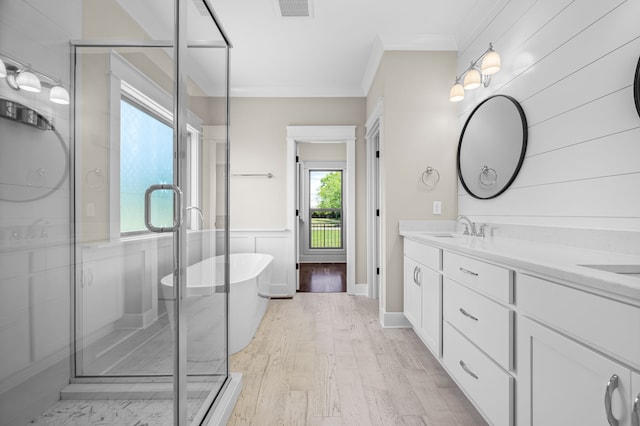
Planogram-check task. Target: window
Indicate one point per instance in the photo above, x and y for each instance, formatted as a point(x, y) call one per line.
point(146, 158)
point(142, 128)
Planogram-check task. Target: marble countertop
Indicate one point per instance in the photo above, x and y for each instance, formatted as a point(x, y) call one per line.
point(552, 261)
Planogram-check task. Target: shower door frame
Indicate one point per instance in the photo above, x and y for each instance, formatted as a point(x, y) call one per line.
point(179, 123)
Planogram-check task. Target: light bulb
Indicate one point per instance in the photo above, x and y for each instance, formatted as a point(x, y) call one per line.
point(457, 93)
point(28, 81)
point(472, 79)
point(490, 63)
point(59, 95)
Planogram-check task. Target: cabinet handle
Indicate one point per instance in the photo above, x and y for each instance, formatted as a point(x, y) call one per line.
point(467, 314)
point(635, 412)
point(467, 370)
point(416, 276)
point(466, 271)
point(419, 277)
point(612, 385)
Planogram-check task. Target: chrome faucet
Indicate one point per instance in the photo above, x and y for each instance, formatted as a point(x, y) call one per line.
point(469, 227)
point(199, 211)
point(32, 228)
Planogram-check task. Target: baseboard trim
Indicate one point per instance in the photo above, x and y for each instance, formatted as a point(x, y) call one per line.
point(361, 290)
point(393, 319)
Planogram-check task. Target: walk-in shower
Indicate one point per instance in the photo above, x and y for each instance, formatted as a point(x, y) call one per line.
point(135, 168)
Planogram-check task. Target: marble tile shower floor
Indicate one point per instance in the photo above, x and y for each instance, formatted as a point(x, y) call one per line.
point(113, 413)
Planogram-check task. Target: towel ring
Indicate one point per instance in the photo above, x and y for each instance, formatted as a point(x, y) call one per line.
point(488, 177)
point(430, 177)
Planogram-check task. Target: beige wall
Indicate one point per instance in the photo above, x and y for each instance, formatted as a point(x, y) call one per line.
point(258, 145)
point(419, 130)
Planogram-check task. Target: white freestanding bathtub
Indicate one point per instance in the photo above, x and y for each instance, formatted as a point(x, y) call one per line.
point(250, 279)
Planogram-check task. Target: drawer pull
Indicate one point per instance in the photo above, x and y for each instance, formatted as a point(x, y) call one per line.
point(467, 314)
point(612, 385)
point(467, 370)
point(635, 412)
point(466, 271)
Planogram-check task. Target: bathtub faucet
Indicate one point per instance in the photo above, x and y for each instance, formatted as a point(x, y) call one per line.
point(199, 211)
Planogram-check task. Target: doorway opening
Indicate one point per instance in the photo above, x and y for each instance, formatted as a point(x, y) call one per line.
point(322, 233)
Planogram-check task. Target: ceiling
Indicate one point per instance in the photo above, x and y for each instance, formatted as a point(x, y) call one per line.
point(335, 51)
point(328, 54)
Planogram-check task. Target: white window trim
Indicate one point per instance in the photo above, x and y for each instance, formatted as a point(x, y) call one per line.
point(126, 78)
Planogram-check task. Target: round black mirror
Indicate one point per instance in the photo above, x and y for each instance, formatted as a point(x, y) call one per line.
point(492, 146)
point(34, 159)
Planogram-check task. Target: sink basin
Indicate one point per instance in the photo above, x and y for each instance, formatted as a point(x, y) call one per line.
point(629, 270)
point(441, 234)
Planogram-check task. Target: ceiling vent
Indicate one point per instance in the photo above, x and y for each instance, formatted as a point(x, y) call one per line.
point(295, 8)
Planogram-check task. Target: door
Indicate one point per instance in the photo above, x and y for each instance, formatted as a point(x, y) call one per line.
point(565, 383)
point(148, 212)
point(323, 231)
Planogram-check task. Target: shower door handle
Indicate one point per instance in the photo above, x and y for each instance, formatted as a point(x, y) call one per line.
point(177, 207)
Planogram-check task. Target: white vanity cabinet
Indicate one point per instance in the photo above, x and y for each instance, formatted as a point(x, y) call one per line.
point(423, 292)
point(478, 333)
point(530, 342)
point(577, 356)
point(101, 287)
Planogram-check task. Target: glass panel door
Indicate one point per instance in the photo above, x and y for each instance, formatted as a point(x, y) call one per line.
point(323, 237)
point(150, 195)
point(124, 144)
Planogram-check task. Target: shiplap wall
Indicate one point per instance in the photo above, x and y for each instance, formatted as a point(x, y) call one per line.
point(571, 66)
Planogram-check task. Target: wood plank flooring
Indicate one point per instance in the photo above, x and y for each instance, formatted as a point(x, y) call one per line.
point(324, 359)
point(323, 277)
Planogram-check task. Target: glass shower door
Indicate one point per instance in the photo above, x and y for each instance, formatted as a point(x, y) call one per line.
point(150, 206)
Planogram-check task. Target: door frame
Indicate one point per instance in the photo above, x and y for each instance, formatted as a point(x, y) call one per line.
point(321, 134)
point(375, 200)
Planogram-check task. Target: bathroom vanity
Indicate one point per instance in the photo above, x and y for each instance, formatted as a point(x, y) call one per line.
point(533, 333)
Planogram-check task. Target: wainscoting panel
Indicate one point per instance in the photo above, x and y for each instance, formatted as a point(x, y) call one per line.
point(273, 242)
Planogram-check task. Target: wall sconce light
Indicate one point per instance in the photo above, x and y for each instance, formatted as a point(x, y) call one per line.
point(474, 76)
point(21, 77)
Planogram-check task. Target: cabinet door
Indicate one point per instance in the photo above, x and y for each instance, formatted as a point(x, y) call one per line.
point(102, 302)
point(431, 283)
point(412, 292)
point(562, 382)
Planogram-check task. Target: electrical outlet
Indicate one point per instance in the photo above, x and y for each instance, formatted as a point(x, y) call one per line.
point(91, 210)
point(437, 207)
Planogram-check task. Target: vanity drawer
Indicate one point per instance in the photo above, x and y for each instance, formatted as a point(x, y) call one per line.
point(485, 277)
point(427, 255)
point(484, 382)
point(612, 327)
point(484, 322)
